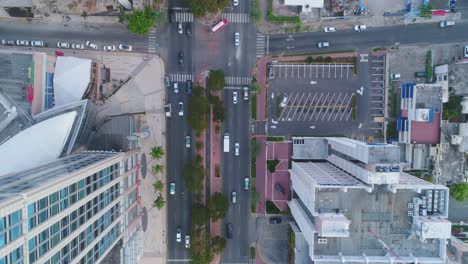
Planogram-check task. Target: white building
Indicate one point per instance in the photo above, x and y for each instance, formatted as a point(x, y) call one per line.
point(306, 5)
point(352, 203)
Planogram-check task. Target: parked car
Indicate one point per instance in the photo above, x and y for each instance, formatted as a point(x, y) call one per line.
point(246, 183)
point(275, 220)
point(448, 23)
point(234, 97)
point(179, 234)
point(229, 230)
point(420, 74)
point(323, 44)
point(246, 93)
point(329, 29)
point(236, 39)
point(236, 149)
point(189, 85)
point(125, 47)
point(395, 76)
point(179, 28)
point(37, 43)
point(465, 52)
point(181, 58)
point(181, 108)
point(167, 109)
point(172, 188)
point(235, 2)
point(176, 87)
point(187, 141)
point(91, 45)
point(22, 43)
point(280, 188)
point(233, 197)
point(360, 28)
point(188, 29)
point(8, 42)
point(187, 241)
point(167, 81)
point(77, 46)
point(109, 48)
point(63, 45)
point(284, 101)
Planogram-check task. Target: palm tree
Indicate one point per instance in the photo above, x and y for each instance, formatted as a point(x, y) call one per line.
point(158, 168)
point(158, 186)
point(159, 202)
point(157, 152)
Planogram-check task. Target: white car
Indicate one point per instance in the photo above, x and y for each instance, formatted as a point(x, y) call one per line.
point(236, 39)
point(180, 29)
point(235, 2)
point(125, 47)
point(22, 43)
point(465, 53)
point(233, 197)
point(246, 93)
point(109, 48)
point(329, 29)
point(172, 188)
point(91, 45)
point(187, 241)
point(181, 108)
point(323, 44)
point(77, 46)
point(167, 109)
point(37, 43)
point(176, 87)
point(179, 235)
point(236, 149)
point(63, 45)
point(360, 28)
point(234, 97)
point(284, 101)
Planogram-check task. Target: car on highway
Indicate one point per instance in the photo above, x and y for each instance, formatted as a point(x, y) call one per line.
point(22, 43)
point(179, 234)
point(8, 42)
point(280, 188)
point(63, 45)
point(275, 220)
point(189, 86)
point(125, 47)
point(181, 108)
point(37, 43)
point(233, 197)
point(187, 241)
point(109, 48)
point(188, 29)
point(465, 53)
point(235, 2)
point(229, 230)
point(181, 58)
point(172, 188)
point(91, 45)
point(246, 183)
point(167, 81)
point(176, 87)
point(236, 39)
point(77, 46)
point(187, 141)
point(180, 28)
point(323, 44)
point(167, 109)
point(246, 93)
point(236, 149)
point(329, 29)
point(284, 101)
point(234, 97)
point(360, 28)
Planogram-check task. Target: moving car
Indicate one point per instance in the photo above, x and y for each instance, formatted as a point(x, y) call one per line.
point(63, 45)
point(181, 58)
point(246, 183)
point(280, 188)
point(187, 241)
point(125, 47)
point(360, 28)
point(235, 2)
point(176, 87)
point(172, 188)
point(189, 87)
point(229, 230)
point(179, 28)
point(329, 29)
point(234, 97)
point(91, 45)
point(37, 43)
point(246, 93)
point(167, 81)
point(109, 48)
point(22, 43)
point(181, 108)
point(284, 101)
point(233, 197)
point(77, 46)
point(236, 39)
point(179, 234)
point(167, 109)
point(187, 141)
point(448, 23)
point(323, 44)
point(275, 220)
point(236, 149)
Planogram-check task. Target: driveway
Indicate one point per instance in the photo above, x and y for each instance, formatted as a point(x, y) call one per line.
point(272, 240)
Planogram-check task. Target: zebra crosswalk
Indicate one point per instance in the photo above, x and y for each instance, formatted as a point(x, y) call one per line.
point(236, 17)
point(230, 80)
point(152, 41)
point(260, 45)
point(180, 77)
point(183, 17)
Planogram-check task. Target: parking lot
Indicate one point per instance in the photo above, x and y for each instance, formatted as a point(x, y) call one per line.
point(312, 71)
point(377, 95)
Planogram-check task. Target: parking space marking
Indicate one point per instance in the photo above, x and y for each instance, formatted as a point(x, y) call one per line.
point(308, 108)
point(321, 106)
point(351, 97)
point(328, 106)
point(305, 103)
point(298, 106)
point(293, 102)
point(334, 106)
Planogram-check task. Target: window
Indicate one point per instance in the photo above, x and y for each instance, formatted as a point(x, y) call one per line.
point(32, 243)
point(31, 209)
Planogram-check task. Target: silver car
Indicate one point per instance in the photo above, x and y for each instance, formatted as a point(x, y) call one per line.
point(77, 46)
point(236, 39)
point(37, 43)
point(91, 45)
point(22, 43)
point(125, 47)
point(109, 48)
point(63, 45)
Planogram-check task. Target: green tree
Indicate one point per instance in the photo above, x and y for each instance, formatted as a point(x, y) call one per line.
point(199, 245)
point(193, 175)
point(256, 12)
point(218, 110)
point(255, 87)
point(255, 148)
point(459, 191)
point(158, 168)
point(198, 108)
point(158, 186)
point(218, 244)
point(122, 15)
point(159, 202)
point(199, 215)
point(84, 14)
point(141, 21)
point(157, 152)
point(218, 206)
point(200, 8)
point(216, 80)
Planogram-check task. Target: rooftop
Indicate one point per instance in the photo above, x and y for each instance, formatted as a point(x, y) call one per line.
point(425, 132)
point(429, 96)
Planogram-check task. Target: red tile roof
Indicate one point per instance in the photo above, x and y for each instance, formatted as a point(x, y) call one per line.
point(426, 133)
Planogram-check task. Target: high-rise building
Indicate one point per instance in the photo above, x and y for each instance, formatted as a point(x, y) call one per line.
point(352, 203)
point(72, 210)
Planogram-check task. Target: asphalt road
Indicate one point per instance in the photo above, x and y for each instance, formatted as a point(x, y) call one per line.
point(234, 170)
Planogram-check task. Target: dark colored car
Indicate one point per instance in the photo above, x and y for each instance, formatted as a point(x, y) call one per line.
point(229, 230)
point(181, 58)
point(172, 16)
point(280, 188)
point(189, 87)
point(188, 29)
point(275, 220)
point(167, 81)
point(420, 74)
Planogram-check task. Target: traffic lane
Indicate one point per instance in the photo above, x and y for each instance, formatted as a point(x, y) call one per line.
point(179, 44)
point(240, 58)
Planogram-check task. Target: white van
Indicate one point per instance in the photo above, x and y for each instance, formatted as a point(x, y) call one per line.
point(446, 23)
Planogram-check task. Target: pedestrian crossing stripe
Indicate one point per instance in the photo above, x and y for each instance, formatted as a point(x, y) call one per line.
point(230, 80)
point(183, 17)
point(180, 77)
point(236, 17)
point(260, 45)
point(152, 41)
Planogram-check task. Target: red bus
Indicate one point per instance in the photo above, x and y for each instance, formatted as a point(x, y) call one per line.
point(220, 25)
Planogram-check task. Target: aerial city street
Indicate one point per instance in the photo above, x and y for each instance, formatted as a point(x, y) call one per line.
point(233, 131)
